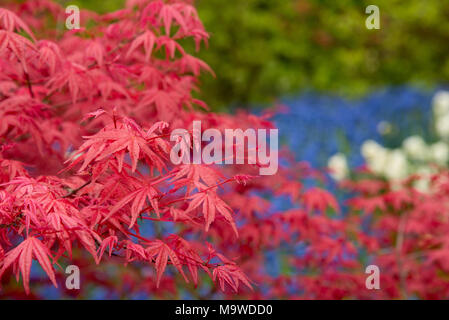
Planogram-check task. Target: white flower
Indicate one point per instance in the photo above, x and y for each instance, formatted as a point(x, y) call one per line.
point(415, 147)
point(378, 161)
point(338, 166)
point(370, 148)
point(439, 152)
point(375, 156)
point(442, 126)
point(423, 183)
point(396, 165)
point(441, 103)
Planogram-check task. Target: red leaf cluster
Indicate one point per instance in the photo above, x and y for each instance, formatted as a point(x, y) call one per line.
point(85, 120)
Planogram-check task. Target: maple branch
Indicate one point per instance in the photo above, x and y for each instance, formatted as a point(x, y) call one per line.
point(218, 184)
point(15, 223)
point(160, 136)
point(29, 85)
point(399, 257)
point(74, 191)
point(185, 198)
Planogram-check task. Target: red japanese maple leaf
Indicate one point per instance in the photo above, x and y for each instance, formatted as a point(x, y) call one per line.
point(21, 258)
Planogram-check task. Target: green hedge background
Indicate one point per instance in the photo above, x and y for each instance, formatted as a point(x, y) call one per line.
point(263, 49)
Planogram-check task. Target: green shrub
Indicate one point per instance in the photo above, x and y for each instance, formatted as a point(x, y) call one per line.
point(263, 49)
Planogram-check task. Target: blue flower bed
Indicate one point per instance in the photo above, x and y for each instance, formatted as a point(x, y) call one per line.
point(318, 126)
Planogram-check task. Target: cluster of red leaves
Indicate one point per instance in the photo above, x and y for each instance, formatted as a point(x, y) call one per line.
point(405, 233)
point(86, 179)
point(85, 117)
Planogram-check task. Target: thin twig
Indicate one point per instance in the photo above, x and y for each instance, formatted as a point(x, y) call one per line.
point(399, 257)
point(30, 87)
point(74, 191)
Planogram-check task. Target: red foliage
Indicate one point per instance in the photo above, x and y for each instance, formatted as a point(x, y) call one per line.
point(85, 117)
point(110, 93)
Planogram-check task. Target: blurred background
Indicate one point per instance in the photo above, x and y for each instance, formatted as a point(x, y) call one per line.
point(340, 84)
point(262, 50)
point(318, 59)
point(345, 89)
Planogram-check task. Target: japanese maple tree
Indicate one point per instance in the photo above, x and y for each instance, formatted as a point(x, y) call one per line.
point(86, 177)
point(85, 120)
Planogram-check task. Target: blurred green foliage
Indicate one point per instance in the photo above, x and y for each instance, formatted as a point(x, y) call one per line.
point(263, 49)
point(101, 6)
